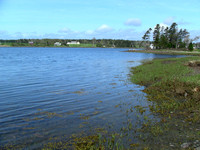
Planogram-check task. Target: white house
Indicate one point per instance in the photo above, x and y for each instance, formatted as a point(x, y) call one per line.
point(151, 46)
point(57, 44)
point(73, 42)
point(31, 42)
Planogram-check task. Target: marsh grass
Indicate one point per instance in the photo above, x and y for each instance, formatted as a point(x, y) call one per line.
point(173, 87)
point(170, 83)
point(168, 52)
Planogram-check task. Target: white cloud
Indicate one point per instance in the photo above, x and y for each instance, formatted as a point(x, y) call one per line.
point(64, 30)
point(183, 22)
point(3, 32)
point(169, 20)
point(89, 32)
point(104, 28)
point(163, 25)
point(126, 34)
point(133, 22)
point(194, 33)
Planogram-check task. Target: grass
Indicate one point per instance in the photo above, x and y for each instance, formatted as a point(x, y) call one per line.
point(169, 52)
point(173, 88)
point(170, 80)
point(82, 45)
point(162, 70)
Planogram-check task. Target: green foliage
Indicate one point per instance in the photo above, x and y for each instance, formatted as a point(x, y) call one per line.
point(163, 70)
point(168, 37)
point(190, 47)
point(83, 43)
point(168, 82)
point(146, 36)
point(156, 36)
point(99, 45)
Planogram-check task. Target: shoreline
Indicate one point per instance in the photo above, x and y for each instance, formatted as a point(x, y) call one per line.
point(172, 85)
point(166, 52)
point(2, 46)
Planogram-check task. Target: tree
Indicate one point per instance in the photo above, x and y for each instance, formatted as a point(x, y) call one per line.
point(93, 41)
point(173, 35)
point(168, 37)
point(146, 38)
point(196, 38)
point(190, 47)
point(182, 34)
point(99, 45)
point(156, 36)
point(163, 42)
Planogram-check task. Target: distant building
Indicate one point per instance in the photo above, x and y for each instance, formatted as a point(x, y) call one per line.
point(57, 44)
point(31, 42)
point(151, 46)
point(73, 42)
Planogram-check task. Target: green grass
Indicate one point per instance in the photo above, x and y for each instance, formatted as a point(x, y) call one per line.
point(82, 45)
point(162, 70)
point(169, 52)
point(173, 85)
point(173, 88)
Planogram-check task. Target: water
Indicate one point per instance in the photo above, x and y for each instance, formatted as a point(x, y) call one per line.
point(57, 92)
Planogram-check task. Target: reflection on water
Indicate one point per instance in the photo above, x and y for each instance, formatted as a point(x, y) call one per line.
point(56, 92)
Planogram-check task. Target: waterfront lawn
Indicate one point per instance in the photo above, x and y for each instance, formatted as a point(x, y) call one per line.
point(82, 45)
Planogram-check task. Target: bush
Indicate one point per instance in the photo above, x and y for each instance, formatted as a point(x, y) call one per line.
point(190, 47)
point(99, 45)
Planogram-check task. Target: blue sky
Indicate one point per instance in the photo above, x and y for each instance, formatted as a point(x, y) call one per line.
point(76, 19)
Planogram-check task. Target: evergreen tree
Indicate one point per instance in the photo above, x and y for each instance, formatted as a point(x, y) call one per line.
point(163, 37)
point(190, 47)
point(169, 37)
point(173, 35)
point(146, 38)
point(156, 36)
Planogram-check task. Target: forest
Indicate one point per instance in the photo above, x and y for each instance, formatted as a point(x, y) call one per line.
point(169, 38)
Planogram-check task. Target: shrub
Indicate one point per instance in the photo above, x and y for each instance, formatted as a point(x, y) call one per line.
point(190, 47)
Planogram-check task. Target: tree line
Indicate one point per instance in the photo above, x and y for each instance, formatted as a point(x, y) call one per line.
point(168, 37)
point(94, 42)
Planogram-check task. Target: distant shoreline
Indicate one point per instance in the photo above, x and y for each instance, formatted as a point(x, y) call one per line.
point(167, 52)
point(58, 47)
point(5, 46)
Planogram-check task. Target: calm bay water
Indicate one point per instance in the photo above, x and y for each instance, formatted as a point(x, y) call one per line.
point(57, 92)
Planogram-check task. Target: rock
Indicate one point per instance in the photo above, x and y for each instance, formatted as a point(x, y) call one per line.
point(191, 63)
point(196, 142)
point(195, 89)
point(185, 145)
point(185, 94)
point(198, 148)
point(180, 91)
point(194, 63)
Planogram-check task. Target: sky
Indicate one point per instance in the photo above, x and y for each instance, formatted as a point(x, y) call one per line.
point(87, 19)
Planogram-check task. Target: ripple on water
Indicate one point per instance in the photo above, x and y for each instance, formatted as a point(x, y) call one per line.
point(55, 92)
